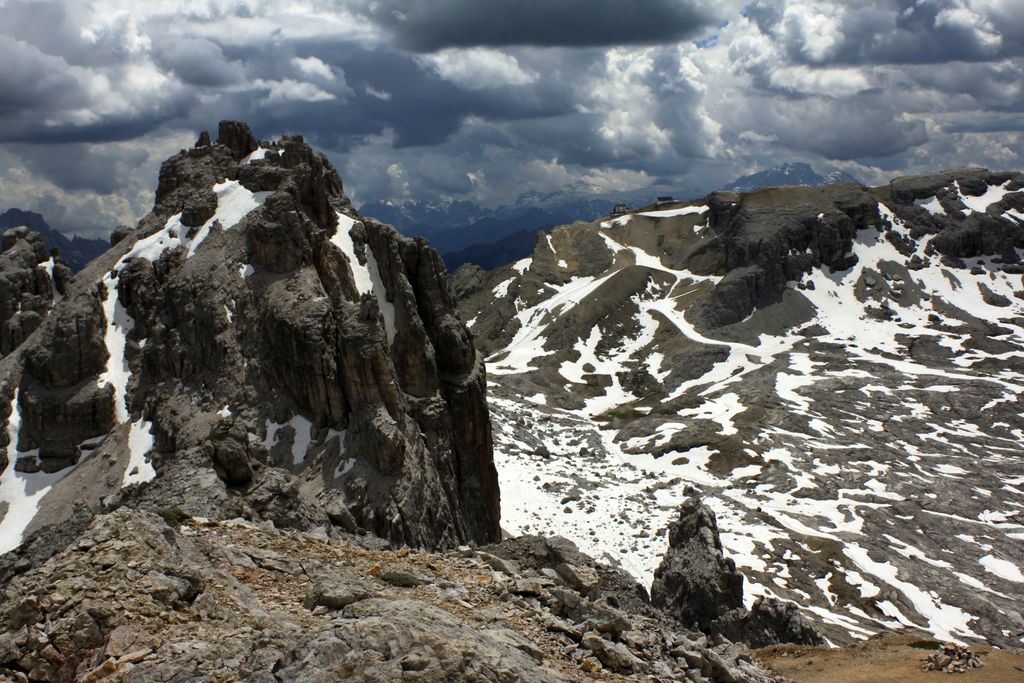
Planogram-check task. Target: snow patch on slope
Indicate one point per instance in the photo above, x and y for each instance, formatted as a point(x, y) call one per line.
point(367, 276)
point(21, 491)
point(140, 442)
point(48, 266)
point(671, 213)
point(302, 436)
point(992, 194)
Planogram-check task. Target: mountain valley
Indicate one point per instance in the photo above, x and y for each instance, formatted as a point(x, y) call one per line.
point(835, 371)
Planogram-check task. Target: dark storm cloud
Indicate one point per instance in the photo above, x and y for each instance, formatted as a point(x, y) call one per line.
point(995, 123)
point(843, 132)
point(38, 90)
point(385, 90)
point(61, 83)
point(993, 86)
point(32, 81)
point(451, 98)
point(62, 28)
point(898, 31)
point(75, 167)
point(198, 61)
point(429, 25)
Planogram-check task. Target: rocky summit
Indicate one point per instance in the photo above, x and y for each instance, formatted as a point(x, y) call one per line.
point(836, 370)
point(253, 348)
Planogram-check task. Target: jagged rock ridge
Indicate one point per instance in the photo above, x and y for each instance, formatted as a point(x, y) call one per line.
point(253, 348)
point(76, 252)
point(835, 368)
point(32, 280)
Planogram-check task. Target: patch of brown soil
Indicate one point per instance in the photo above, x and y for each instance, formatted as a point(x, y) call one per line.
point(889, 659)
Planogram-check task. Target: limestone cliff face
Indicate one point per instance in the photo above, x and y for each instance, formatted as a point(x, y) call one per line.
point(254, 347)
point(31, 281)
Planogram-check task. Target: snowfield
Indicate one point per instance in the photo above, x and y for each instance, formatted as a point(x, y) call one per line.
point(878, 488)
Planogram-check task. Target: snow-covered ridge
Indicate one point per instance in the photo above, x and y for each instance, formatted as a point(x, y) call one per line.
point(22, 492)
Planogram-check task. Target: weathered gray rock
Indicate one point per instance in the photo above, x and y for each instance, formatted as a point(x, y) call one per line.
point(767, 622)
point(695, 582)
point(31, 280)
point(614, 585)
point(302, 356)
point(234, 454)
point(135, 600)
point(698, 584)
point(614, 656)
point(337, 591)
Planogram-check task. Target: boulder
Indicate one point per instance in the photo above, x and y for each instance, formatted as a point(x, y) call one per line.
point(768, 622)
point(337, 591)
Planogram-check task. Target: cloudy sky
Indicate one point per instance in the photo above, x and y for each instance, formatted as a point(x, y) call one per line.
point(467, 99)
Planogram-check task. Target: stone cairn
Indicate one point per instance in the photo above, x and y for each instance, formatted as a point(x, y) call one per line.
point(952, 659)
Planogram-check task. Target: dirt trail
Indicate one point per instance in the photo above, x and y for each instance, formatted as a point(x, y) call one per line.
point(892, 659)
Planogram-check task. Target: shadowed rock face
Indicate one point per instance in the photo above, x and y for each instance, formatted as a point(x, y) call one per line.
point(696, 583)
point(254, 347)
point(31, 280)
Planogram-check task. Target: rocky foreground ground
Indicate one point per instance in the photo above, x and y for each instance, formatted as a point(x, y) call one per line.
point(135, 599)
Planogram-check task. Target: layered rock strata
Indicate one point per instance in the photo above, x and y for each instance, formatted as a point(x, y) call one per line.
point(254, 347)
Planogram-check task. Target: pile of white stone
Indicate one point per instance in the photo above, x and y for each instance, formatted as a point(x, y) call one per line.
point(952, 659)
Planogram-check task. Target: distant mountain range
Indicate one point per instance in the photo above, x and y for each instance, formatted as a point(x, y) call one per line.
point(457, 229)
point(77, 251)
point(464, 232)
point(492, 255)
point(788, 174)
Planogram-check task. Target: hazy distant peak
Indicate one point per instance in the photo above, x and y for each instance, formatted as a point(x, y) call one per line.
point(788, 173)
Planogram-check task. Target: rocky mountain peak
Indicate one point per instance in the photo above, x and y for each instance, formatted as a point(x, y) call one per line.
point(787, 174)
point(236, 136)
point(254, 348)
